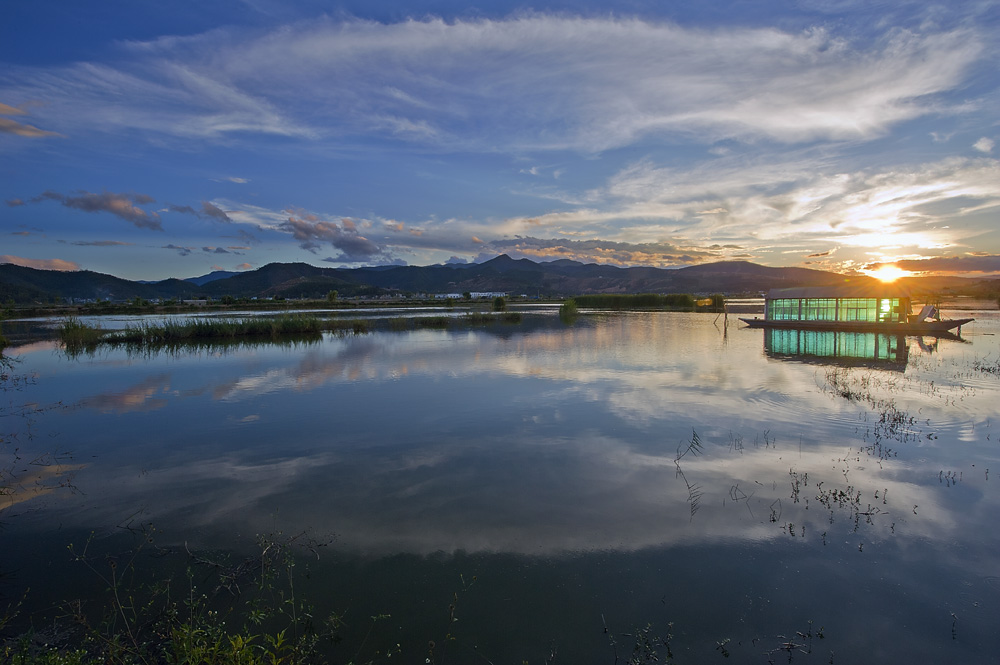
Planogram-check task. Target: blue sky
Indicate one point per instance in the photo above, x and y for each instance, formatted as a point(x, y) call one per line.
point(154, 140)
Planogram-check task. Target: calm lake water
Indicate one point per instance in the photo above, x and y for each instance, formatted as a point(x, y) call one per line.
point(737, 490)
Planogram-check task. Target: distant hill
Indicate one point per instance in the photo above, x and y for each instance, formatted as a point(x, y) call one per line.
point(515, 276)
point(211, 277)
point(28, 285)
point(287, 280)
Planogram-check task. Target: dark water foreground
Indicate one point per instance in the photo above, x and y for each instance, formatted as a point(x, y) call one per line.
point(541, 492)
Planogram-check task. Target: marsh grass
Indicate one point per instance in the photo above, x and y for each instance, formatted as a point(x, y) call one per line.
point(177, 336)
point(172, 331)
point(498, 316)
point(78, 337)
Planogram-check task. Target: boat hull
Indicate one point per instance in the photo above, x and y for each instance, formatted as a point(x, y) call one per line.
point(916, 328)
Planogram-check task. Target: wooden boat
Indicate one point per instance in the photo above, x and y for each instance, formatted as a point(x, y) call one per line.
point(850, 308)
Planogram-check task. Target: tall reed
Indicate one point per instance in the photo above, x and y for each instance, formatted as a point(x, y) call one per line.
point(171, 331)
point(76, 335)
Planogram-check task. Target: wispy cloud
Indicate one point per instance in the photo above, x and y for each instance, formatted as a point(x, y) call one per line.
point(259, 217)
point(758, 205)
point(527, 82)
point(740, 142)
point(8, 126)
point(123, 206)
point(721, 209)
point(159, 96)
point(11, 110)
point(40, 264)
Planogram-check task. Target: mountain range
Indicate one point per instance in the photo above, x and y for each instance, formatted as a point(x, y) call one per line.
point(552, 279)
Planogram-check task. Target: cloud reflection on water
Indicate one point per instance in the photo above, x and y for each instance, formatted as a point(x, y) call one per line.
point(544, 497)
point(561, 439)
point(147, 395)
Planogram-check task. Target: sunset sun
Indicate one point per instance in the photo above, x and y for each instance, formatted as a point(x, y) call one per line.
point(888, 273)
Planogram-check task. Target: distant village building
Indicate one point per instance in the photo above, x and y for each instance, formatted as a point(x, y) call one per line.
point(474, 295)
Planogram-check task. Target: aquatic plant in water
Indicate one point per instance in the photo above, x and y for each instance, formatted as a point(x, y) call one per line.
point(568, 311)
point(212, 328)
point(891, 422)
point(252, 615)
point(76, 335)
point(987, 366)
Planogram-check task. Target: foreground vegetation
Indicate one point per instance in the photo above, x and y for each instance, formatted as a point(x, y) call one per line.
point(200, 608)
point(250, 613)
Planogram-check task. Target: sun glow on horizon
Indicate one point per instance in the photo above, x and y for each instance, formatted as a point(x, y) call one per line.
point(888, 273)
